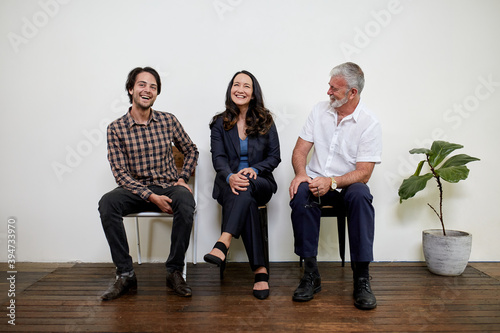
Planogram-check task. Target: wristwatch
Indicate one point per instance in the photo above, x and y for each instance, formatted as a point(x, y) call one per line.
point(334, 183)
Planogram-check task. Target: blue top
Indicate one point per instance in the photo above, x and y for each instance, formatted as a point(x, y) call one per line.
point(243, 158)
point(243, 154)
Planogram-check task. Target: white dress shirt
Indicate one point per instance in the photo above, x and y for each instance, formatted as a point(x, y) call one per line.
point(337, 149)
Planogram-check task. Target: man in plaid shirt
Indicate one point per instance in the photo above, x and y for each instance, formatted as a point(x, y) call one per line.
point(142, 162)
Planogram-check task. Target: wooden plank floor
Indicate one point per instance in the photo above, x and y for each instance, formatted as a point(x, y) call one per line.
point(65, 298)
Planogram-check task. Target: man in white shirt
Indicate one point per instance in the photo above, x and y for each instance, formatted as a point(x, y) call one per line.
point(347, 142)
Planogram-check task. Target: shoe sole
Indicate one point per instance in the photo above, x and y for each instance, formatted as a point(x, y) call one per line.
point(364, 307)
point(306, 299)
point(214, 260)
point(261, 294)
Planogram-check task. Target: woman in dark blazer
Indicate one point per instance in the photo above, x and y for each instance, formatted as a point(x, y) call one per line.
point(245, 151)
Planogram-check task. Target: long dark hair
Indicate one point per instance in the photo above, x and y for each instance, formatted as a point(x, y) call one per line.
point(258, 118)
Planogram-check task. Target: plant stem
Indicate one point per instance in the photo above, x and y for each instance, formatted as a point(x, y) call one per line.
point(441, 203)
point(440, 187)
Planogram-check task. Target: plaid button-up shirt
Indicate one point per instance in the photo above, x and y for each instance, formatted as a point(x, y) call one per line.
point(141, 155)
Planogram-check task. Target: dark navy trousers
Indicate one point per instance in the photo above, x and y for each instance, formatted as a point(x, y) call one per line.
point(357, 201)
point(240, 217)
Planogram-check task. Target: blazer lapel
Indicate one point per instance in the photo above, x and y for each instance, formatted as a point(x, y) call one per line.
point(235, 139)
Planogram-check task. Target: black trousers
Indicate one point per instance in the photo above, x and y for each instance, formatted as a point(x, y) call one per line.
point(120, 202)
point(240, 217)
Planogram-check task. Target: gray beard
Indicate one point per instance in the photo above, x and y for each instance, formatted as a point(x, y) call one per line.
point(338, 103)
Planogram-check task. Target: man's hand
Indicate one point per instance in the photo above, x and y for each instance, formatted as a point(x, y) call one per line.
point(299, 161)
point(294, 185)
point(162, 201)
point(181, 182)
point(321, 185)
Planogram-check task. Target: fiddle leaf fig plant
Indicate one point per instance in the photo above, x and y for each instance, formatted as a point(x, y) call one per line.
point(452, 170)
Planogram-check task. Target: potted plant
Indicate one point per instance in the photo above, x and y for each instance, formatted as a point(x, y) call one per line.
point(446, 252)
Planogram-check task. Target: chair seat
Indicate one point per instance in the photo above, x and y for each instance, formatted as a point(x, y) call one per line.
point(150, 214)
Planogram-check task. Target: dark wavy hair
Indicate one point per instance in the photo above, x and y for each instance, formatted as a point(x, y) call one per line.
point(133, 75)
point(259, 119)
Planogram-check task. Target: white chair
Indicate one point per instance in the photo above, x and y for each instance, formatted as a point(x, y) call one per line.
point(193, 181)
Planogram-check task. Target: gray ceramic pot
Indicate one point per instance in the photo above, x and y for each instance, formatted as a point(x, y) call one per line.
point(446, 255)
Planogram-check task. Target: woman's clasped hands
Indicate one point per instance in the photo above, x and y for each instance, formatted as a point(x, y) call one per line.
point(240, 181)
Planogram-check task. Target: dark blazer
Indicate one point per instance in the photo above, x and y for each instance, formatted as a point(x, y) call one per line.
point(263, 154)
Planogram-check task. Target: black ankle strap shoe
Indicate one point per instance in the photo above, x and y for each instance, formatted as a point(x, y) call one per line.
point(261, 294)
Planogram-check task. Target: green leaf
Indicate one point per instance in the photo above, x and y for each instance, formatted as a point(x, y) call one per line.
point(419, 168)
point(420, 151)
point(412, 185)
point(458, 160)
point(439, 151)
point(453, 174)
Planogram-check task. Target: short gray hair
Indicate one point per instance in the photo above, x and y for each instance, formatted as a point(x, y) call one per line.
point(352, 73)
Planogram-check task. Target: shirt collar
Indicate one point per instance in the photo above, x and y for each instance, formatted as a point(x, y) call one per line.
point(131, 122)
point(357, 111)
point(354, 115)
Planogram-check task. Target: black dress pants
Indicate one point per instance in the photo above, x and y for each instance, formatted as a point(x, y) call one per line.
point(120, 202)
point(240, 217)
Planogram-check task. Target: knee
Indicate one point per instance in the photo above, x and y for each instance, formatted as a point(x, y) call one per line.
point(358, 192)
point(243, 197)
point(108, 208)
point(185, 201)
point(301, 197)
point(106, 204)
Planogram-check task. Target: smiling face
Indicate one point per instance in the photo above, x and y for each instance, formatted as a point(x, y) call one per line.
point(145, 91)
point(242, 91)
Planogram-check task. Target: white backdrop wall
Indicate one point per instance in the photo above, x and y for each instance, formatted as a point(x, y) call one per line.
point(432, 72)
